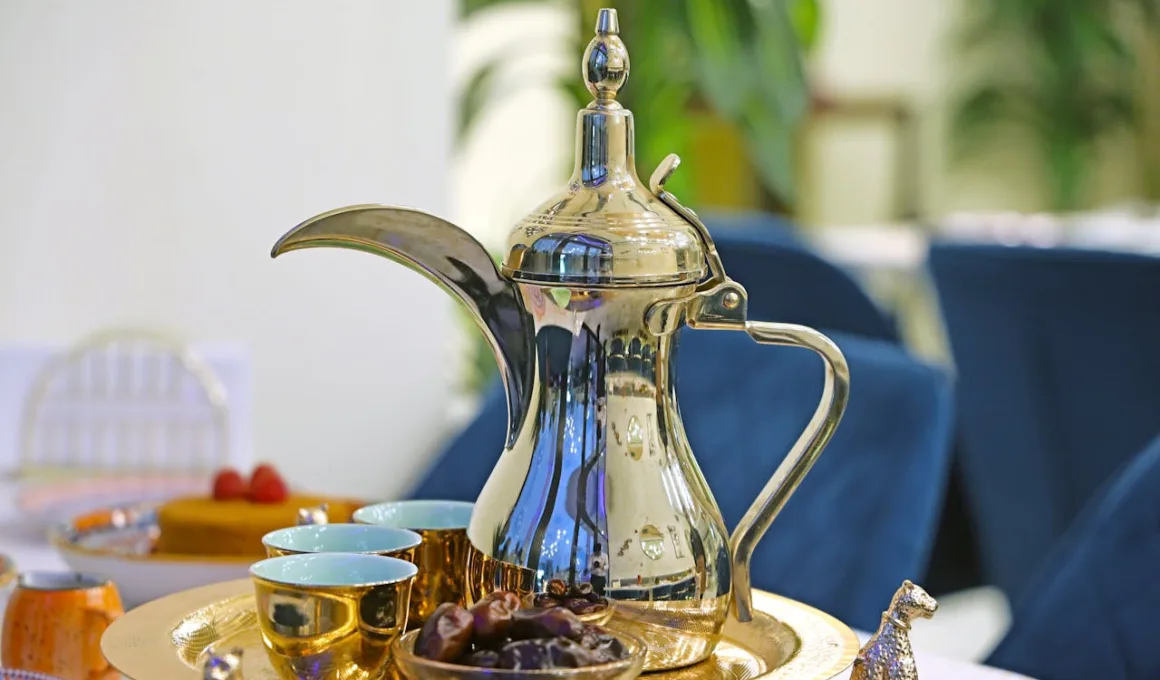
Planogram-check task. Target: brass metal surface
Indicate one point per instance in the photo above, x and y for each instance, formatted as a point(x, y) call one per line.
point(888, 654)
point(314, 632)
point(442, 577)
point(416, 667)
point(173, 637)
point(597, 482)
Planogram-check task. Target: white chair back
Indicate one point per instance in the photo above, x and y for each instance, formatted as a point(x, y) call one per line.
point(125, 402)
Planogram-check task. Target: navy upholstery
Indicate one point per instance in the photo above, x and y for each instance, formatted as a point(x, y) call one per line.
point(788, 282)
point(1058, 385)
point(1091, 612)
point(861, 522)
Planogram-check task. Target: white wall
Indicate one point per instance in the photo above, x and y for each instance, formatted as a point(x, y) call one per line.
point(520, 151)
point(151, 153)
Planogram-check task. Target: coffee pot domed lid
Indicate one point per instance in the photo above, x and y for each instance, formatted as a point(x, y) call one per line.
point(606, 228)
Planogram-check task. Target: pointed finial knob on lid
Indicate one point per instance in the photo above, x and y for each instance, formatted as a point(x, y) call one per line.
point(605, 61)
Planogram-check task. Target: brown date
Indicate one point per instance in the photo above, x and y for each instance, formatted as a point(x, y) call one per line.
point(446, 635)
point(524, 655)
point(580, 607)
point(564, 653)
point(557, 588)
point(545, 601)
point(580, 589)
point(548, 623)
point(492, 617)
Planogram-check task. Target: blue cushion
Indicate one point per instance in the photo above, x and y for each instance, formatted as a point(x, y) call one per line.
point(788, 281)
point(1058, 385)
point(862, 521)
point(1091, 612)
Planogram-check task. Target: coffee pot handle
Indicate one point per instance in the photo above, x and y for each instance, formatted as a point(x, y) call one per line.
point(801, 457)
point(720, 303)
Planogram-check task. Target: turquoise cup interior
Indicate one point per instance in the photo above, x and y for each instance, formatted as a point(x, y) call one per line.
point(344, 538)
point(417, 515)
point(333, 570)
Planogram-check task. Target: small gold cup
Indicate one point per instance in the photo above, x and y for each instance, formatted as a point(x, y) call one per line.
point(442, 558)
point(332, 616)
point(343, 538)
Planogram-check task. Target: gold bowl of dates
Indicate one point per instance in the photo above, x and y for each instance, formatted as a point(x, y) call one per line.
point(500, 639)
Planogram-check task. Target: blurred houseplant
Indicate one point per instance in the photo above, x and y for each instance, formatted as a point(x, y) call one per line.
point(1062, 70)
point(739, 60)
point(701, 70)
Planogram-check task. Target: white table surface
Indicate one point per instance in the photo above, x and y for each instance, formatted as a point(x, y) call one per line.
point(30, 551)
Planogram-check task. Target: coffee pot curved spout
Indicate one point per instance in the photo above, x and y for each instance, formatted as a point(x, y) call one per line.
point(449, 256)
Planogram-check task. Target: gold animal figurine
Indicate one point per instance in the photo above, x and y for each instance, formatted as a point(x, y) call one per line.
point(887, 655)
point(313, 515)
point(228, 666)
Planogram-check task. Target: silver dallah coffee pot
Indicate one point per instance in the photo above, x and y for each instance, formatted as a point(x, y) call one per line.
point(596, 491)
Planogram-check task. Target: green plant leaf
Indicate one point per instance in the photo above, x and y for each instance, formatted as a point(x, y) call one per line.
point(1114, 109)
point(720, 58)
point(807, 22)
point(780, 74)
point(980, 111)
point(771, 148)
point(1149, 10)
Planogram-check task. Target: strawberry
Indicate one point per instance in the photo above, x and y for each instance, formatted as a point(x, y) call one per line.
point(262, 470)
point(228, 485)
point(267, 486)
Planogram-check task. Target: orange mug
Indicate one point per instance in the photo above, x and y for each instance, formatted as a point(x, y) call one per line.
point(54, 625)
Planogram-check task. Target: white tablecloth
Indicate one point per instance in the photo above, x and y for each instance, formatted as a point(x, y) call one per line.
point(31, 551)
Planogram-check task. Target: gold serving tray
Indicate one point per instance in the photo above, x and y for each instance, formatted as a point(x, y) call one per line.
point(170, 638)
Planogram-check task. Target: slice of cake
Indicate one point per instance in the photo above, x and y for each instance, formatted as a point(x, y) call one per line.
point(234, 519)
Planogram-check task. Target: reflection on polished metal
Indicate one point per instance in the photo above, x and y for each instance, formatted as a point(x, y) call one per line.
point(331, 632)
point(441, 560)
point(887, 654)
point(228, 666)
point(316, 515)
point(597, 483)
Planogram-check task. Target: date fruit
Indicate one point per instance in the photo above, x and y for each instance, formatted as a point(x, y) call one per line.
point(496, 633)
point(492, 618)
point(546, 623)
point(579, 598)
point(447, 633)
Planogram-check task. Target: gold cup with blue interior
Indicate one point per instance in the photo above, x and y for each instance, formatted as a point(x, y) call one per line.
point(442, 558)
point(343, 538)
point(332, 616)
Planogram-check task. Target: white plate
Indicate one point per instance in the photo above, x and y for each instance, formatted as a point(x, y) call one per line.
point(117, 544)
